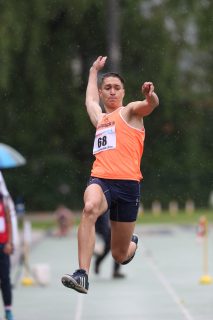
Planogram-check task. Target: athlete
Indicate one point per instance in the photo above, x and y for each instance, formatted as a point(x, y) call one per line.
point(6, 249)
point(115, 176)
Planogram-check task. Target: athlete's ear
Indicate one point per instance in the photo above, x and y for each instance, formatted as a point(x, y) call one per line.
point(100, 92)
point(124, 93)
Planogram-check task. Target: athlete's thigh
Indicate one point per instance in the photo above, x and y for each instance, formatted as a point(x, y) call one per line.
point(95, 197)
point(121, 234)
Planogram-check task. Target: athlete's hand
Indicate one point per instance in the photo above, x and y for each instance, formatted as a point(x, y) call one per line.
point(99, 63)
point(148, 88)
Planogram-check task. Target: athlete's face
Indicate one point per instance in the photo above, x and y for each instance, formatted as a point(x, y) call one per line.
point(112, 92)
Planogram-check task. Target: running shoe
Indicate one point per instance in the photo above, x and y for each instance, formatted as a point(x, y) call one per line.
point(135, 240)
point(118, 275)
point(77, 281)
point(8, 315)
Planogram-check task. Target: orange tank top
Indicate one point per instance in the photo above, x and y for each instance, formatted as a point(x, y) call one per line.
point(118, 148)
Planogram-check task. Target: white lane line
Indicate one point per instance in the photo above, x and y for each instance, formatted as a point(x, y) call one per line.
point(79, 306)
point(163, 280)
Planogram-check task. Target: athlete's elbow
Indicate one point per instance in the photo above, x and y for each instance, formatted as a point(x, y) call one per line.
point(87, 102)
point(150, 109)
point(153, 104)
point(156, 103)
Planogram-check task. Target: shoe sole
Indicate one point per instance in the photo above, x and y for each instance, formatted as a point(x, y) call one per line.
point(130, 259)
point(70, 282)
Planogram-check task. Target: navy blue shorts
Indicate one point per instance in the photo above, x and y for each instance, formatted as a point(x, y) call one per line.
point(123, 197)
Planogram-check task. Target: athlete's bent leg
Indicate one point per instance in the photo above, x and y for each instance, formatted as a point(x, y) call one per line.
point(95, 204)
point(121, 245)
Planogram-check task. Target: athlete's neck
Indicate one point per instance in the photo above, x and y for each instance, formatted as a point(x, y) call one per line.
point(110, 110)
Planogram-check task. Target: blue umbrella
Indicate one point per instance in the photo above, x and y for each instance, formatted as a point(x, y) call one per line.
point(9, 157)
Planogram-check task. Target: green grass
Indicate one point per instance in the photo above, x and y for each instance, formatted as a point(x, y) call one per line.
point(147, 217)
point(179, 218)
point(44, 225)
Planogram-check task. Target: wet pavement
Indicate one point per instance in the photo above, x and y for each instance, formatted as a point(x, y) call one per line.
point(162, 282)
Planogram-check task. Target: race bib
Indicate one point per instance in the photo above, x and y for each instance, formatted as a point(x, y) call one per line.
point(105, 139)
point(2, 225)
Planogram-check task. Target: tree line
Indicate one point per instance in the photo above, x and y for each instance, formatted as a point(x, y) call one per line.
point(46, 49)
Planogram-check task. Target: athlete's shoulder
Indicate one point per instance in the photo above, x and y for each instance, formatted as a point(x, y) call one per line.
point(132, 119)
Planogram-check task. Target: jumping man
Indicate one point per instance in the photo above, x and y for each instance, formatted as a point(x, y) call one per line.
point(115, 176)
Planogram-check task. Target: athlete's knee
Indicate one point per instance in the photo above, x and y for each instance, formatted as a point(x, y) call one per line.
point(119, 256)
point(91, 209)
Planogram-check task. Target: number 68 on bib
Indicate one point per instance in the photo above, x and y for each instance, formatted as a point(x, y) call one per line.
point(105, 139)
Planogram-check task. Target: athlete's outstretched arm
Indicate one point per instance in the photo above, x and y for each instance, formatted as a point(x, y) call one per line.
point(145, 107)
point(92, 94)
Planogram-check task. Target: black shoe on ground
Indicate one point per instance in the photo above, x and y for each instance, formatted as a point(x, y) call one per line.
point(77, 281)
point(135, 240)
point(118, 275)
